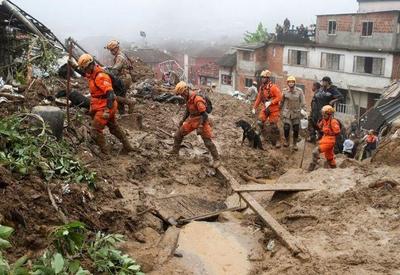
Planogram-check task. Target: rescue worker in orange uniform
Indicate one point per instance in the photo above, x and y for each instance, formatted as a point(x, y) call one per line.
point(195, 118)
point(270, 96)
point(103, 106)
point(121, 68)
point(330, 128)
point(372, 140)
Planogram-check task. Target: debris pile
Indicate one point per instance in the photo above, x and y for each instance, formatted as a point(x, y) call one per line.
point(388, 151)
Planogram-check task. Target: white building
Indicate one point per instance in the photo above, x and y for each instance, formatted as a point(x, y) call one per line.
point(360, 52)
point(377, 5)
point(227, 73)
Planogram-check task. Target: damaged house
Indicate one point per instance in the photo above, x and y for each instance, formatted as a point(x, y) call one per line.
point(27, 47)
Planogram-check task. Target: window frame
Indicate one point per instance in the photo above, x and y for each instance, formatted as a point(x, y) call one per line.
point(367, 30)
point(223, 77)
point(329, 27)
point(341, 62)
point(290, 61)
point(250, 81)
point(249, 54)
point(382, 69)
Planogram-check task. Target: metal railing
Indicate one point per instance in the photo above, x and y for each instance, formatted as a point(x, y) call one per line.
point(345, 109)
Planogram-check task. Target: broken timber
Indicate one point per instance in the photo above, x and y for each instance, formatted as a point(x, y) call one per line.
point(272, 187)
point(287, 239)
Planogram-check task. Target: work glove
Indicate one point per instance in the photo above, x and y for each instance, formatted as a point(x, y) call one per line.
point(199, 131)
point(304, 113)
point(267, 104)
point(106, 115)
point(253, 111)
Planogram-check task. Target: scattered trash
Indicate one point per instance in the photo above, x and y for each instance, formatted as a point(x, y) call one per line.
point(271, 245)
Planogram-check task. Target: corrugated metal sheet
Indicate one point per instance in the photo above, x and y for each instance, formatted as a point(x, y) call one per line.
point(386, 110)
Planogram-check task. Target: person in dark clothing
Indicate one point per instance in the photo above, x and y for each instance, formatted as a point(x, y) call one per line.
point(328, 94)
point(313, 124)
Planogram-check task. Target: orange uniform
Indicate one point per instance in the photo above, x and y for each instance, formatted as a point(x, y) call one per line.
point(330, 128)
point(269, 92)
point(371, 138)
point(99, 84)
point(195, 106)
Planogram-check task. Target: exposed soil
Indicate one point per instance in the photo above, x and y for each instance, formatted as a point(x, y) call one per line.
point(347, 226)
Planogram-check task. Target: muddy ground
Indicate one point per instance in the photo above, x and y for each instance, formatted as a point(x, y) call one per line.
point(347, 226)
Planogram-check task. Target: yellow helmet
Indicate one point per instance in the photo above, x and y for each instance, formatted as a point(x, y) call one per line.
point(180, 87)
point(328, 109)
point(291, 78)
point(113, 44)
point(266, 73)
point(85, 60)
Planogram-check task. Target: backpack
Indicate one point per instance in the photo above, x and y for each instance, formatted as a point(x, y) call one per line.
point(117, 83)
point(209, 106)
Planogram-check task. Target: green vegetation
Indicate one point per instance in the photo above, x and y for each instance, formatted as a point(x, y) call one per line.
point(6, 268)
point(69, 239)
point(260, 35)
point(110, 260)
point(26, 148)
point(70, 246)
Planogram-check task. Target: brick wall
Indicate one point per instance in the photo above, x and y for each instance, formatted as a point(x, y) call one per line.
point(396, 67)
point(274, 60)
point(343, 22)
point(384, 22)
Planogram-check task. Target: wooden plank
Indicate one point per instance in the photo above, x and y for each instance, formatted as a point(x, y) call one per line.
point(273, 187)
point(287, 239)
point(210, 215)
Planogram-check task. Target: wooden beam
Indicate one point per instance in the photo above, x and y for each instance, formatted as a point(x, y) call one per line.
point(287, 239)
point(272, 187)
point(210, 215)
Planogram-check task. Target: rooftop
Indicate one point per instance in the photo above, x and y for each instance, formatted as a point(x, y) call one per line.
point(360, 13)
point(150, 56)
point(20, 21)
point(250, 46)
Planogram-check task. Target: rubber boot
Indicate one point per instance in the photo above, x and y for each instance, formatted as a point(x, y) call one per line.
point(121, 105)
point(295, 148)
point(332, 164)
point(276, 136)
point(101, 142)
point(286, 132)
point(117, 131)
point(122, 101)
point(178, 138)
point(315, 158)
point(213, 151)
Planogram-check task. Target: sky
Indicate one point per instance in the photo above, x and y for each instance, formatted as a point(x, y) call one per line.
point(174, 19)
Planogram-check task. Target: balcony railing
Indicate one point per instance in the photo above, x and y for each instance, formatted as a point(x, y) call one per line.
point(345, 109)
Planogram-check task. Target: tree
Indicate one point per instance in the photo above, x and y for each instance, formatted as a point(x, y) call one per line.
point(260, 35)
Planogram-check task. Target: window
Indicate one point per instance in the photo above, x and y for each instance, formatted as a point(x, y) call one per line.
point(369, 65)
point(248, 56)
point(248, 82)
point(332, 27)
point(332, 61)
point(226, 79)
point(367, 28)
point(297, 58)
point(203, 80)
